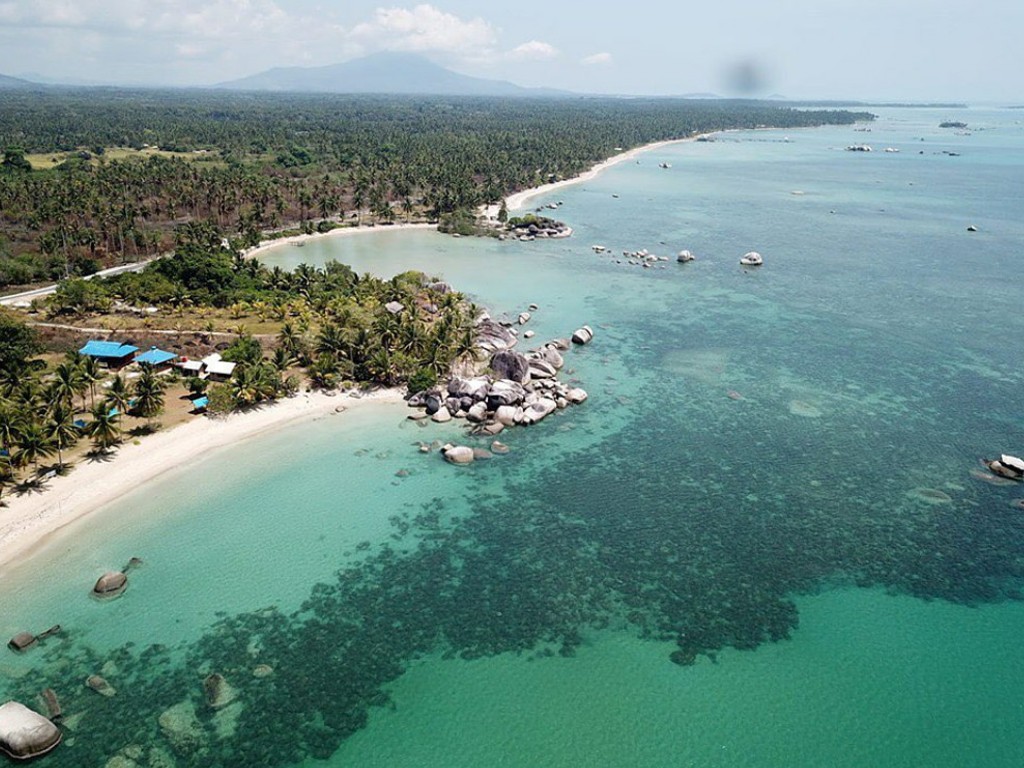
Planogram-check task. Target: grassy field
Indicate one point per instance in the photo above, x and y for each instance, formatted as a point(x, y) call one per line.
point(44, 162)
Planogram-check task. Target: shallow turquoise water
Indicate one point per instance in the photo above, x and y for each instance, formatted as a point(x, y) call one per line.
point(534, 601)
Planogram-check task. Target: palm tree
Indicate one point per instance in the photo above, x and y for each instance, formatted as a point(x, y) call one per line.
point(323, 372)
point(244, 386)
point(149, 395)
point(105, 428)
point(197, 387)
point(291, 340)
point(68, 381)
point(91, 374)
point(34, 444)
point(12, 422)
point(7, 473)
point(61, 429)
point(283, 359)
point(118, 396)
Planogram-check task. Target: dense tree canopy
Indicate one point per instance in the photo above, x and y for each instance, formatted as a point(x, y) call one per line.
point(135, 165)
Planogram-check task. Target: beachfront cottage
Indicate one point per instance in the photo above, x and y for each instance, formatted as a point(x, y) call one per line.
point(112, 354)
point(190, 367)
point(157, 359)
point(218, 369)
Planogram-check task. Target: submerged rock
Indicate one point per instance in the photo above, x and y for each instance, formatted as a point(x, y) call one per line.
point(182, 728)
point(930, 496)
point(218, 691)
point(25, 734)
point(100, 685)
point(52, 704)
point(499, 448)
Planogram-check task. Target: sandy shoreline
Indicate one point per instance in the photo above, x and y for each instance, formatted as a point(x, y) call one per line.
point(340, 232)
point(518, 200)
point(29, 521)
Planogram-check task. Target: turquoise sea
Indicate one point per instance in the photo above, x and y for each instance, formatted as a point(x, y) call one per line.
point(759, 543)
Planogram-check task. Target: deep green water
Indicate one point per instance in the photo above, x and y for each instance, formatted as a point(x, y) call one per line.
point(770, 485)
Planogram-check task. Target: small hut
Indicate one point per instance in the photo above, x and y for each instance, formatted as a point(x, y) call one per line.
point(157, 359)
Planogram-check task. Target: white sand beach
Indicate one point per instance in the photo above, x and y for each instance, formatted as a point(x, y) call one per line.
point(27, 521)
point(340, 232)
point(520, 199)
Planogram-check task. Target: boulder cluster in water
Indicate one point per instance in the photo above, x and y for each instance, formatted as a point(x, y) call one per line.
point(520, 389)
point(532, 227)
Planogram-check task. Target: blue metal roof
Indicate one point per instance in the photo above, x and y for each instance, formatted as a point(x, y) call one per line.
point(155, 357)
point(200, 402)
point(112, 349)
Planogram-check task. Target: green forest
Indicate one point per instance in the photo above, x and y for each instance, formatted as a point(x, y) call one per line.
point(91, 178)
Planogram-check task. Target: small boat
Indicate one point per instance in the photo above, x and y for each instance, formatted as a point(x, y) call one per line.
point(1010, 467)
point(752, 259)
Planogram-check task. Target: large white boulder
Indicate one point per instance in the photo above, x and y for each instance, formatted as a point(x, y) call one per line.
point(576, 395)
point(542, 369)
point(477, 413)
point(505, 392)
point(459, 454)
point(539, 410)
point(583, 335)
point(551, 355)
point(25, 734)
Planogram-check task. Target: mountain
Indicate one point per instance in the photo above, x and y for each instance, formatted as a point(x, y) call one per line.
point(16, 84)
point(398, 73)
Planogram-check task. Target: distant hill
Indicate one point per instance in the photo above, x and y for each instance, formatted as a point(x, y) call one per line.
point(393, 73)
point(16, 84)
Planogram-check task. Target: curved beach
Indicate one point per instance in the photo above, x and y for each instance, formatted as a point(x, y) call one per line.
point(519, 199)
point(28, 521)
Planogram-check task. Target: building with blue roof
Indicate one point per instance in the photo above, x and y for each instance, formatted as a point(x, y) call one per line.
point(112, 353)
point(156, 358)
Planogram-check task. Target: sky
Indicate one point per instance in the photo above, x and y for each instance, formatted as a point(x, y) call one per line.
point(914, 50)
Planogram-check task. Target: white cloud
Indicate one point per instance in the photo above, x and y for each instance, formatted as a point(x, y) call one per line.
point(190, 41)
point(422, 29)
point(535, 50)
point(597, 59)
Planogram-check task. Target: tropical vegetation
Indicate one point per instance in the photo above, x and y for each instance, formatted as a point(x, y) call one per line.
point(92, 178)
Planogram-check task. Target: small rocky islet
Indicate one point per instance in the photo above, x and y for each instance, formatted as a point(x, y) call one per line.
point(517, 389)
